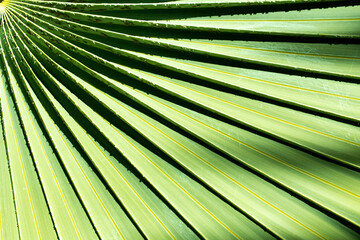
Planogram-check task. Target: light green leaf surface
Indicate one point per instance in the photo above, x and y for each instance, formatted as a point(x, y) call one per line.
point(179, 119)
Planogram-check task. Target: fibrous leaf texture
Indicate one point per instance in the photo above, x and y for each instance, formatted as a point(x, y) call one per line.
point(201, 119)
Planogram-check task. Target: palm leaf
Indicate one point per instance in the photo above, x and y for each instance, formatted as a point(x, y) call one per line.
point(179, 119)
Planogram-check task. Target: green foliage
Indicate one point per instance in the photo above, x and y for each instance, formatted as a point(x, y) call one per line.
point(179, 119)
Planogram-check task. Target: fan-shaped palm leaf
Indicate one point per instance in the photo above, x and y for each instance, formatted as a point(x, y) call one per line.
point(179, 119)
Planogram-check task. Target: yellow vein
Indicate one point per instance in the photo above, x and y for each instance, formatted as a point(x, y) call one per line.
point(22, 167)
point(267, 50)
point(132, 189)
point(214, 167)
point(266, 20)
point(117, 171)
point(264, 50)
point(122, 177)
point(257, 79)
point(251, 110)
point(269, 116)
point(324, 180)
point(208, 163)
point(148, 208)
point(99, 200)
point(345, 190)
point(18, 151)
point(249, 146)
point(162, 224)
point(92, 187)
point(260, 80)
point(130, 186)
point(48, 162)
point(168, 176)
point(173, 181)
point(143, 201)
point(159, 168)
point(57, 183)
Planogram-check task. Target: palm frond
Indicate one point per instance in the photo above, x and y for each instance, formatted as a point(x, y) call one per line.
point(179, 119)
